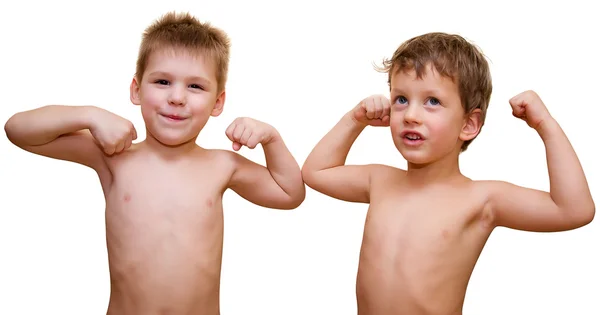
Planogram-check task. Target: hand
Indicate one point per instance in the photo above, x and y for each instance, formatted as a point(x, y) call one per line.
point(373, 110)
point(249, 132)
point(529, 107)
point(113, 133)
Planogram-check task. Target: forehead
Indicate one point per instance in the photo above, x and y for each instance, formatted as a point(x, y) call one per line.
point(429, 79)
point(181, 62)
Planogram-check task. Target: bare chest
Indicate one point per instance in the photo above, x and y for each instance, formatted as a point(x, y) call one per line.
point(426, 222)
point(165, 197)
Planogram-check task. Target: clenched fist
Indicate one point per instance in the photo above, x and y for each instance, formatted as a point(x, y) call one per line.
point(113, 133)
point(249, 132)
point(529, 107)
point(373, 110)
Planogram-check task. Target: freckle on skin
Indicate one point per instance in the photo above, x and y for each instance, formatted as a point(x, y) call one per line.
point(127, 197)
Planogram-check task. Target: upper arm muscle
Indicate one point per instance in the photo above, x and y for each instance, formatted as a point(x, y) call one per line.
point(527, 209)
point(78, 147)
point(255, 183)
point(348, 182)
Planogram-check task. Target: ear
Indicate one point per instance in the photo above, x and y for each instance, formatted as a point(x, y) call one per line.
point(134, 92)
point(219, 103)
point(472, 125)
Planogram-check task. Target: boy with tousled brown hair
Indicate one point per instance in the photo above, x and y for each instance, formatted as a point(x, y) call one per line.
point(427, 225)
point(164, 216)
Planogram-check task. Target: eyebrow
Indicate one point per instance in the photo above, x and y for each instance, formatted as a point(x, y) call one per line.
point(428, 91)
point(203, 80)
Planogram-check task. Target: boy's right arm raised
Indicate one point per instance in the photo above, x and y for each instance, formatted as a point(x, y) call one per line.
point(325, 171)
point(80, 134)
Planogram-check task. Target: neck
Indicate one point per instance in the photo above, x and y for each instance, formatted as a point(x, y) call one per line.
point(442, 170)
point(169, 152)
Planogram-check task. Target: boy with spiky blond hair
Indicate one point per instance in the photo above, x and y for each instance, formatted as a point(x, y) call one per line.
point(164, 215)
point(426, 226)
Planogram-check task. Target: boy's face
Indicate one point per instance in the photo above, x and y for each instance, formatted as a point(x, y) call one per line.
point(427, 119)
point(177, 94)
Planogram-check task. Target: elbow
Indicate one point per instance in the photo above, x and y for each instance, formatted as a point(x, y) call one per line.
point(584, 215)
point(588, 214)
point(292, 204)
point(307, 176)
point(11, 130)
point(296, 199)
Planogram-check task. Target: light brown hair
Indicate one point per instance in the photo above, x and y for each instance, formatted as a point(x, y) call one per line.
point(452, 56)
point(183, 31)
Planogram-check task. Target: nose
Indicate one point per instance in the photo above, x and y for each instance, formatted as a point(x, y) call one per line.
point(177, 96)
point(412, 114)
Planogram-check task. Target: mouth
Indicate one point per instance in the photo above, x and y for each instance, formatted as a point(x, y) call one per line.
point(174, 117)
point(411, 137)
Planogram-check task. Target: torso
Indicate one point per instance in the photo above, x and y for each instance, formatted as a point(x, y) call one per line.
point(420, 246)
point(164, 231)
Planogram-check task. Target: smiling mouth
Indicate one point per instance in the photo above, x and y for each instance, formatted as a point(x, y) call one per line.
point(174, 117)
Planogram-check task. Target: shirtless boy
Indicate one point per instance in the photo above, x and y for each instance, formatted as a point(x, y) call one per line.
point(426, 226)
point(164, 219)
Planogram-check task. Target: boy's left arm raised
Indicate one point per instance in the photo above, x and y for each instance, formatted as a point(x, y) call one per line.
point(279, 185)
point(568, 204)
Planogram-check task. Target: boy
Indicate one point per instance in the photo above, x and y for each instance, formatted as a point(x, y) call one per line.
point(426, 226)
point(164, 215)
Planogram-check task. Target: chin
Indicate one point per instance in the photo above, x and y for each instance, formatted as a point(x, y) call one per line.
point(417, 158)
point(173, 139)
point(415, 155)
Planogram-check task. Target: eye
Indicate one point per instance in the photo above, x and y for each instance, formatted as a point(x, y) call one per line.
point(196, 86)
point(162, 82)
point(433, 101)
point(401, 100)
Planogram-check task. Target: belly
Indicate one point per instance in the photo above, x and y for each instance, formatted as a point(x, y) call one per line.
point(164, 256)
point(413, 269)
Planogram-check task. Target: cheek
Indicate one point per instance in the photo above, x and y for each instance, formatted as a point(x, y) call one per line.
point(396, 122)
point(444, 128)
point(201, 104)
point(152, 97)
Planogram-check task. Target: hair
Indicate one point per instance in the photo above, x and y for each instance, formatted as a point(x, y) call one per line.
point(183, 31)
point(453, 57)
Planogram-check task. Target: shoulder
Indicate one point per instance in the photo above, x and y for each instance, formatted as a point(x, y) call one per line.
point(382, 172)
point(223, 160)
point(220, 156)
point(383, 176)
point(490, 192)
point(491, 189)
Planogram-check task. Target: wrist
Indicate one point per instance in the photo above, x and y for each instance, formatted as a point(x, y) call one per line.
point(87, 115)
point(352, 122)
point(273, 137)
point(547, 128)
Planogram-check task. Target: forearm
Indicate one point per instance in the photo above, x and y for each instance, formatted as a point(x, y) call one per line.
point(42, 125)
point(284, 168)
point(568, 185)
point(333, 149)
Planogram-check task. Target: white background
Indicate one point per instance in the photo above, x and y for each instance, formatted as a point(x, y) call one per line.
point(299, 67)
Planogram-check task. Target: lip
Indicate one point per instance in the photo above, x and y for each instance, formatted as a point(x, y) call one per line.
point(405, 132)
point(174, 117)
point(412, 143)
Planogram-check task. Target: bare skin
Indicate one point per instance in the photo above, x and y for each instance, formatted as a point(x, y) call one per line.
point(426, 226)
point(164, 215)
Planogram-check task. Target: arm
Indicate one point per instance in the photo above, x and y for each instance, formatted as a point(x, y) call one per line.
point(325, 171)
point(567, 206)
point(57, 132)
point(279, 185)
